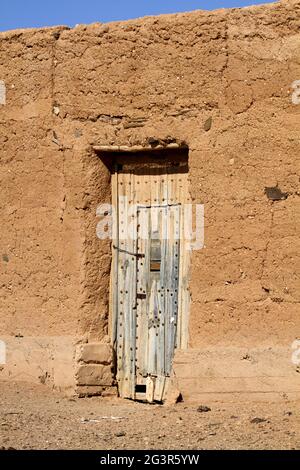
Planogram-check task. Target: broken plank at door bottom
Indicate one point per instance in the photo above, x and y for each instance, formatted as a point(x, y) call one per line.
point(150, 383)
point(159, 389)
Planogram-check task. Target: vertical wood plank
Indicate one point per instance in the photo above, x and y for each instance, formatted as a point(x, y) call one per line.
point(126, 322)
point(121, 366)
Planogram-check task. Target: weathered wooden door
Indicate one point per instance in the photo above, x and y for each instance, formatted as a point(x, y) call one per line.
point(149, 287)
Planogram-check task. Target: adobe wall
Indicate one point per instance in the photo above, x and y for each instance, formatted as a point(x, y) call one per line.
point(220, 81)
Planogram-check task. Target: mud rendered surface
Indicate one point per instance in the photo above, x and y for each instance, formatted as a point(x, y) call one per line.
point(32, 417)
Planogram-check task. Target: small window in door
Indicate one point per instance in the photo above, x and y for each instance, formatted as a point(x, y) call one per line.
point(155, 253)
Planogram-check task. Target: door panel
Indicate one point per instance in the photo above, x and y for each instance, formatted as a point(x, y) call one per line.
point(126, 325)
point(157, 291)
point(158, 277)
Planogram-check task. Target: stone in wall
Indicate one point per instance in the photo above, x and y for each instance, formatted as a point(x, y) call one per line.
point(95, 369)
point(96, 353)
point(94, 374)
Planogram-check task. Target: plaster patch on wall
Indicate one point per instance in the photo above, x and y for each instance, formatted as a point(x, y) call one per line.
point(2, 92)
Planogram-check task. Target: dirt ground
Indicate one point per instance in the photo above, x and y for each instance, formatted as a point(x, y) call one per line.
point(33, 417)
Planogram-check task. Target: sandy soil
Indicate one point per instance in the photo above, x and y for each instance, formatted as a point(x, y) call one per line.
point(33, 417)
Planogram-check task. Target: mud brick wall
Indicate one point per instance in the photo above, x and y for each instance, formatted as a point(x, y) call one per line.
point(220, 81)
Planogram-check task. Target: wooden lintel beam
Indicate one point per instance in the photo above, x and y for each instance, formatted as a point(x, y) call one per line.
point(136, 148)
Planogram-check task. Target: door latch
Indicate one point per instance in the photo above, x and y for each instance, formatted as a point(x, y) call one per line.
point(140, 295)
